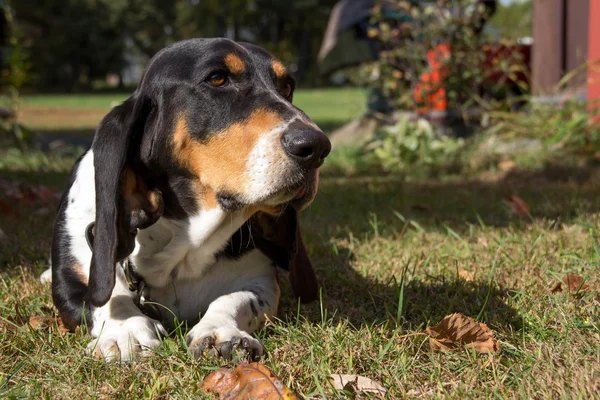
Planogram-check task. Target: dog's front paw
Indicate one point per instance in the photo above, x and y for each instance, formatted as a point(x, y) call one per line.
point(226, 342)
point(127, 340)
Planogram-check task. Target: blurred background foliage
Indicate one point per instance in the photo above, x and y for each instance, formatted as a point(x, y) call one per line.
point(73, 43)
point(466, 52)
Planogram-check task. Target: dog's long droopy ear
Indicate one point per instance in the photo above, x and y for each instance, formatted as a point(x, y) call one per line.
point(280, 239)
point(302, 274)
point(123, 201)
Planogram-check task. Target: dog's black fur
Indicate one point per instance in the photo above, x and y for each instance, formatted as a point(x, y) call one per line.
point(137, 136)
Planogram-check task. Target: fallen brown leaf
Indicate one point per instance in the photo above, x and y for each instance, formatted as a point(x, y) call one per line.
point(517, 206)
point(38, 322)
point(23, 321)
point(54, 324)
point(572, 282)
point(357, 384)
point(457, 330)
point(245, 382)
point(466, 275)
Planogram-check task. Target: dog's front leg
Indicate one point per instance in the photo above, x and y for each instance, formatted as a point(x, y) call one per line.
point(122, 331)
point(230, 319)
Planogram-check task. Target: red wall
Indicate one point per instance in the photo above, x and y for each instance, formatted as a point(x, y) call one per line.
point(594, 52)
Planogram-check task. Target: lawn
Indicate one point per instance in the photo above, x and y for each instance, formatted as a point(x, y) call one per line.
point(393, 256)
point(330, 108)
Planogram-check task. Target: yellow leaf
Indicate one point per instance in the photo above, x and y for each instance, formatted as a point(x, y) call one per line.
point(466, 275)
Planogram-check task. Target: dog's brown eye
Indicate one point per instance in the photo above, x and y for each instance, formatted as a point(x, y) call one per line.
point(217, 79)
point(287, 89)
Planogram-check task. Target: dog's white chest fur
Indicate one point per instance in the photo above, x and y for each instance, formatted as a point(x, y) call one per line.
point(170, 250)
point(178, 261)
point(176, 258)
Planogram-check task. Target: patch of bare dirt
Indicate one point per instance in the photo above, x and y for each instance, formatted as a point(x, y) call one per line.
point(58, 118)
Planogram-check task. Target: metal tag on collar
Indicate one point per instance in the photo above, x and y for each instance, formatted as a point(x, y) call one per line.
point(138, 296)
point(89, 235)
point(133, 283)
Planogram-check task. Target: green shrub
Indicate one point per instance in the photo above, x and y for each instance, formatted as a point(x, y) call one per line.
point(410, 143)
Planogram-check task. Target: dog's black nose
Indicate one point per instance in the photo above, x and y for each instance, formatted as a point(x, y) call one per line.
point(306, 145)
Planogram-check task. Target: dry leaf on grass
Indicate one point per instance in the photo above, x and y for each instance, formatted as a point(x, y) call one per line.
point(245, 382)
point(22, 320)
point(517, 206)
point(571, 282)
point(466, 275)
point(357, 384)
point(456, 330)
point(54, 324)
point(37, 322)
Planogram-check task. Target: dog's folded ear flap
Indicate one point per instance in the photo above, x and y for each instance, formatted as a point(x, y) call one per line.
point(280, 239)
point(302, 274)
point(124, 202)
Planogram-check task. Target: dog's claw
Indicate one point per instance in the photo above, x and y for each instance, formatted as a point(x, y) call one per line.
point(237, 348)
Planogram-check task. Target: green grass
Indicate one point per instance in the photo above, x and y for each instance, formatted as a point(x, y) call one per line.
point(76, 101)
point(388, 252)
point(329, 108)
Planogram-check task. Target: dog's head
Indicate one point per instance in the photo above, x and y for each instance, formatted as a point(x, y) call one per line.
point(211, 124)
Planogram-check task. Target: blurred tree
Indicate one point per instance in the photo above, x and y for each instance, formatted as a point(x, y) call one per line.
point(74, 42)
point(514, 20)
point(150, 24)
point(293, 31)
point(14, 74)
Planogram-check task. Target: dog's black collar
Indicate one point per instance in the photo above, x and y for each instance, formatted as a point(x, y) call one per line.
point(135, 282)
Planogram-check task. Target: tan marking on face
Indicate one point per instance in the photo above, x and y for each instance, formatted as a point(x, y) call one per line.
point(136, 193)
point(205, 196)
point(234, 63)
point(278, 68)
point(220, 163)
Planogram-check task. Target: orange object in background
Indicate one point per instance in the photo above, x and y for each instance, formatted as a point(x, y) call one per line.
point(430, 93)
point(593, 87)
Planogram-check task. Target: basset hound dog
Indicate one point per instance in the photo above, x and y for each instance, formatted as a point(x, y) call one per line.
point(186, 203)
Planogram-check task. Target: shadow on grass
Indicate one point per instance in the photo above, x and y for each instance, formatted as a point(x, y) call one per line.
point(349, 296)
point(358, 205)
point(350, 209)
